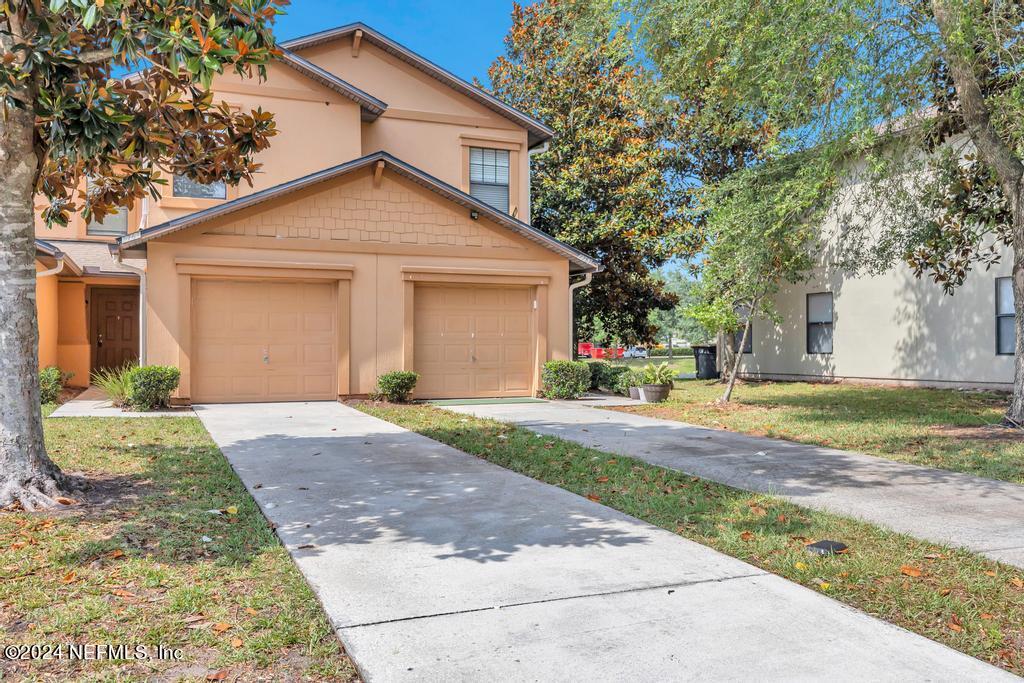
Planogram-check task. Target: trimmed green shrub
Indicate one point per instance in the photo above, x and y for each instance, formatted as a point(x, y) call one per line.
point(51, 381)
point(150, 386)
point(565, 379)
point(604, 375)
point(677, 352)
point(395, 386)
point(627, 379)
point(114, 383)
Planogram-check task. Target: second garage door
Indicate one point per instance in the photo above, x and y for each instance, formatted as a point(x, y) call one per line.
point(473, 341)
point(264, 341)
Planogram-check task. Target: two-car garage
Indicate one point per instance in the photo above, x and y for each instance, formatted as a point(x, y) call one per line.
point(312, 289)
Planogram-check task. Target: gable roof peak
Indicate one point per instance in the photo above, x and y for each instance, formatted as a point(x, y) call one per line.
point(538, 132)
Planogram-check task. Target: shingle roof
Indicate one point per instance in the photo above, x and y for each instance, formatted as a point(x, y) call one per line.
point(95, 258)
point(580, 261)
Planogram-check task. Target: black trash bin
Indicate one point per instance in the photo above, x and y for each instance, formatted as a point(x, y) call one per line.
point(706, 357)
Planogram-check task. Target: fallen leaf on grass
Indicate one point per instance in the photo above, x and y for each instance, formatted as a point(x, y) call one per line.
point(251, 612)
point(1017, 582)
point(758, 510)
point(194, 618)
point(68, 578)
point(114, 554)
point(945, 591)
point(123, 593)
point(232, 510)
point(217, 675)
point(65, 501)
point(990, 573)
point(220, 627)
point(824, 585)
point(908, 570)
point(986, 616)
point(747, 535)
point(782, 518)
point(954, 624)
point(802, 566)
point(236, 643)
point(601, 480)
point(594, 497)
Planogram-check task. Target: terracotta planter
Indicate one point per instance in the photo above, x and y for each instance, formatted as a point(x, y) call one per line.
point(654, 393)
point(634, 393)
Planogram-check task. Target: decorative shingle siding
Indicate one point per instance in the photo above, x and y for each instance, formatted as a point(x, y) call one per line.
point(396, 212)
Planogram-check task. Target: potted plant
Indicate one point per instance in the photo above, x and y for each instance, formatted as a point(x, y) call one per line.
point(657, 383)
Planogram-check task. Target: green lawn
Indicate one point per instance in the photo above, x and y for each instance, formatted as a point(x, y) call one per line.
point(680, 364)
point(953, 430)
point(953, 596)
point(129, 564)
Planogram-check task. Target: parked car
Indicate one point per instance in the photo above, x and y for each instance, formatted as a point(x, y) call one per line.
point(635, 352)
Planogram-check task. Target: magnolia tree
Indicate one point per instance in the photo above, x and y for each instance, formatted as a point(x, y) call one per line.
point(69, 113)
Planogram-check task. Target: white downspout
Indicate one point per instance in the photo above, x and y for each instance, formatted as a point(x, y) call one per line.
point(572, 307)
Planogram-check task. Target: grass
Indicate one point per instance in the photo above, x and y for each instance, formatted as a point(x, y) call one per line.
point(953, 596)
point(130, 565)
point(679, 364)
point(947, 429)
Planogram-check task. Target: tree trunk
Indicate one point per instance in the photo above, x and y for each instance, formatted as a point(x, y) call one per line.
point(999, 156)
point(1015, 412)
point(27, 475)
point(736, 362)
point(670, 345)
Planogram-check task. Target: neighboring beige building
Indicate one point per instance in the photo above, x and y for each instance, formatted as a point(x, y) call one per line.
point(891, 328)
point(385, 231)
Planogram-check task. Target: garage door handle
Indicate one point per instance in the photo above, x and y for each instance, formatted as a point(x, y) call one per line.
point(266, 357)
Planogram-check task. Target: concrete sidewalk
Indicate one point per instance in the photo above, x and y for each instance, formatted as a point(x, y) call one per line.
point(435, 565)
point(982, 515)
point(94, 403)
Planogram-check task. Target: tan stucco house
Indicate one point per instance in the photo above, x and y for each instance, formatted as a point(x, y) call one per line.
point(387, 230)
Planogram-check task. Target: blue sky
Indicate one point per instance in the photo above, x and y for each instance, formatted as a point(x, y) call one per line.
point(462, 37)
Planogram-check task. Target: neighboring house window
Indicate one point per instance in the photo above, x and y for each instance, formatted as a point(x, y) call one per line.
point(819, 323)
point(112, 225)
point(737, 337)
point(488, 176)
point(1006, 333)
point(186, 187)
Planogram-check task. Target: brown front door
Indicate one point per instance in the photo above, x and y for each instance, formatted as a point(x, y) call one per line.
point(115, 327)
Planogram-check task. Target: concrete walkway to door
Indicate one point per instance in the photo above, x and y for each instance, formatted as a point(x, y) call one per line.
point(435, 565)
point(957, 509)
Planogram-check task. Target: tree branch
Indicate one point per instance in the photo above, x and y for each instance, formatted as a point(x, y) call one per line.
point(1004, 161)
point(95, 56)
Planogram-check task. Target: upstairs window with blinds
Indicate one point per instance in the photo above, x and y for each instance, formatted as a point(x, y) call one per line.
point(112, 225)
point(1006, 333)
point(488, 176)
point(186, 187)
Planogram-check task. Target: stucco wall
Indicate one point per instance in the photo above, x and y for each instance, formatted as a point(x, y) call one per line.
point(892, 326)
point(46, 310)
point(377, 231)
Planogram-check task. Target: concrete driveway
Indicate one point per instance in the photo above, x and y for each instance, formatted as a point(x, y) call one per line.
point(435, 565)
point(982, 515)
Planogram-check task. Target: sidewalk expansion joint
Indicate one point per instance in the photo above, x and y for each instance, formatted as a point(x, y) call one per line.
point(641, 589)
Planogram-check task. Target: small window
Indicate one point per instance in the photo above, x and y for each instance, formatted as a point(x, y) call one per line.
point(737, 337)
point(186, 187)
point(1006, 331)
point(488, 176)
point(819, 323)
point(112, 225)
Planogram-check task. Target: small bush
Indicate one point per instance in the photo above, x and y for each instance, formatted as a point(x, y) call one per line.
point(677, 352)
point(565, 379)
point(598, 373)
point(114, 383)
point(627, 379)
point(150, 386)
point(51, 381)
point(395, 386)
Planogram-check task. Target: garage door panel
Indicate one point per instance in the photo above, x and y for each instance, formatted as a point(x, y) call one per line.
point(263, 341)
point(483, 346)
